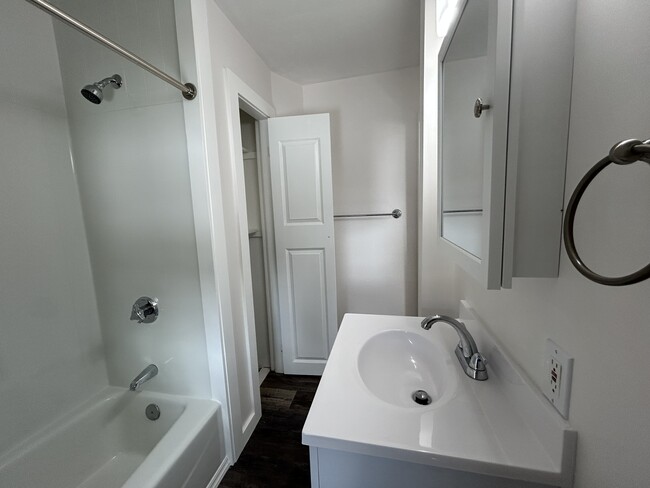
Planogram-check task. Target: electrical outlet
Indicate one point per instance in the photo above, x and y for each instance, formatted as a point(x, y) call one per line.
point(557, 378)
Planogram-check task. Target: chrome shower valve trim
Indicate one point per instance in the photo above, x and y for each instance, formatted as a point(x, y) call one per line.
point(145, 310)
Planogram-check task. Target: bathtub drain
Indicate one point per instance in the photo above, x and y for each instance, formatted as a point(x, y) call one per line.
point(152, 411)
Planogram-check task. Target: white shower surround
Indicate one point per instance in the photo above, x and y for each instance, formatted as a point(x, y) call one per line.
point(64, 355)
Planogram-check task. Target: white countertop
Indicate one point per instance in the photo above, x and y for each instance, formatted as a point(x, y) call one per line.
point(478, 426)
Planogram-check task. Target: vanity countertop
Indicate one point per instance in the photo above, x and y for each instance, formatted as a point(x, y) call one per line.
point(500, 427)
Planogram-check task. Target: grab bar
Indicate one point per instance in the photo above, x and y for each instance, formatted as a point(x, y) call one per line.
point(396, 214)
point(625, 152)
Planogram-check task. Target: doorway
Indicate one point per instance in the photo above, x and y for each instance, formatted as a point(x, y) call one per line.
point(288, 239)
point(256, 241)
point(295, 196)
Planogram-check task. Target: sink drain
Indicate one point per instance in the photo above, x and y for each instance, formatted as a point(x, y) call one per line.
point(421, 397)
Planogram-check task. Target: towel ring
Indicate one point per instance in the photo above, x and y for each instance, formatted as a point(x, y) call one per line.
point(625, 152)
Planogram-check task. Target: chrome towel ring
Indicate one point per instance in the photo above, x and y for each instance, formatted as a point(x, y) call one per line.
point(625, 152)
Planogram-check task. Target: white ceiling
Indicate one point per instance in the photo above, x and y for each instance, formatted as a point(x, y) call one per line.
point(309, 41)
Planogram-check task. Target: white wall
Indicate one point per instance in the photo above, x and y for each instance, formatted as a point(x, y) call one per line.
point(606, 329)
point(374, 165)
point(132, 162)
point(287, 96)
point(219, 46)
point(230, 50)
point(51, 355)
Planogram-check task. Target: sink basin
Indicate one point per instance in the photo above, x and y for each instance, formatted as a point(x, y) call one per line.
point(364, 420)
point(396, 363)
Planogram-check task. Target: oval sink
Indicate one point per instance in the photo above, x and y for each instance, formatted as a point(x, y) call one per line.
point(394, 364)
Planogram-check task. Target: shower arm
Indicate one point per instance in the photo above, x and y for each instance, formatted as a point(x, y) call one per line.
point(188, 89)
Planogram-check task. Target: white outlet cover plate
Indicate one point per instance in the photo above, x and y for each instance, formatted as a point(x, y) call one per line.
point(558, 392)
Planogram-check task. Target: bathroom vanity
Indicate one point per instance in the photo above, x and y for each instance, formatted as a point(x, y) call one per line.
point(365, 429)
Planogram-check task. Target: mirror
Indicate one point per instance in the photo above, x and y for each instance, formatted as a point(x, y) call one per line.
point(504, 104)
point(463, 136)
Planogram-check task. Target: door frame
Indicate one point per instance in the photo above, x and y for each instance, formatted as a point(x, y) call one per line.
point(242, 96)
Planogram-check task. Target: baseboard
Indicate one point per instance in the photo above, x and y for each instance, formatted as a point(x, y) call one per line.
point(263, 374)
point(219, 474)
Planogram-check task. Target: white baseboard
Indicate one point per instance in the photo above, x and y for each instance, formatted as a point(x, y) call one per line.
point(219, 474)
point(263, 374)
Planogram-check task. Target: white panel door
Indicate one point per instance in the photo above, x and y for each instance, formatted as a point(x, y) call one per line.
point(303, 221)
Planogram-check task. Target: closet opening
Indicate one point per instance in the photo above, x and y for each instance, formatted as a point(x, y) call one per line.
point(257, 235)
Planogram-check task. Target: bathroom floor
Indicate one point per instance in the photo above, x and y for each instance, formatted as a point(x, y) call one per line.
point(275, 457)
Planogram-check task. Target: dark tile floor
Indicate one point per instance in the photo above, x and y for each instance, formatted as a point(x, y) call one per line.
point(274, 456)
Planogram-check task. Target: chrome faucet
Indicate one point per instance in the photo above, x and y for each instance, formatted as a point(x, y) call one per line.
point(472, 362)
point(146, 374)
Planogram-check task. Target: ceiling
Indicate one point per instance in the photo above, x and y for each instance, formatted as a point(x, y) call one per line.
point(309, 41)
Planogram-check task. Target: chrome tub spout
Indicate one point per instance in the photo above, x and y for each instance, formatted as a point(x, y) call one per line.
point(146, 374)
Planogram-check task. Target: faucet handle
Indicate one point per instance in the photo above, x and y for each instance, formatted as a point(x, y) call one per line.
point(477, 362)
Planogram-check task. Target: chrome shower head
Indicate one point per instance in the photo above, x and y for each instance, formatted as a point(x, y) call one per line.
point(95, 93)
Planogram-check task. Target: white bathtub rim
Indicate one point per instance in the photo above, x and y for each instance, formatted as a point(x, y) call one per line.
point(176, 440)
point(108, 393)
point(57, 425)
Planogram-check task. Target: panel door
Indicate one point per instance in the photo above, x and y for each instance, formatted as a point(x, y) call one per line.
point(301, 187)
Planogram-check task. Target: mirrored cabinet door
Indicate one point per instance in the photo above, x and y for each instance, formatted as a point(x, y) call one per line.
point(474, 88)
point(465, 78)
point(504, 98)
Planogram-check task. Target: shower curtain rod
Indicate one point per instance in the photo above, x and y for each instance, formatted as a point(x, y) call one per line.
point(188, 89)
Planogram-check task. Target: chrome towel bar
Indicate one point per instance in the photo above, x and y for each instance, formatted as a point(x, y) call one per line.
point(625, 152)
point(396, 214)
point(468, 210)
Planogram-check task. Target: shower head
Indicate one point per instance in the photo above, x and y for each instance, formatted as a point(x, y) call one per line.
point(95, 93)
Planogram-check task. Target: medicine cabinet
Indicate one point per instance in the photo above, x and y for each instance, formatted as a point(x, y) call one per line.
point(505, 72)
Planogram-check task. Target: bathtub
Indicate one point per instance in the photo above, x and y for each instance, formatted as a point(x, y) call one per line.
point(109, 442)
